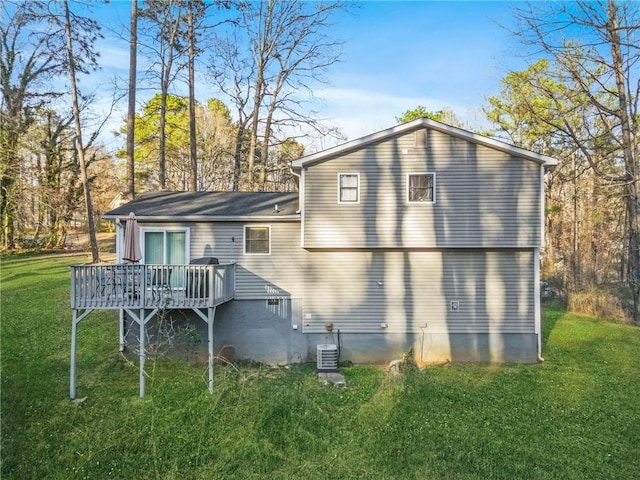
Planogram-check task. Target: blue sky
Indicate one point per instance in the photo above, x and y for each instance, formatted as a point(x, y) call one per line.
point(399, 55)
point(396, 55)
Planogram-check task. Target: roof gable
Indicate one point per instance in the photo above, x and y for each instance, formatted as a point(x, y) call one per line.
point(417, 124)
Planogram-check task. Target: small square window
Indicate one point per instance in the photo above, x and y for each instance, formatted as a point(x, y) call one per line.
point(348, 188)
point(257, 240)
point(421, 187)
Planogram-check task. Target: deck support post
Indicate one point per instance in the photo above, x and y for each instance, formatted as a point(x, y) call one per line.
point(121, 327)
point(211, 316)
point(141, 321)
point(72, 380)
point(208, 319)
point(76, 319)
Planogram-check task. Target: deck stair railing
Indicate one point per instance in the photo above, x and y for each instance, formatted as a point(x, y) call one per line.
point(119, 286)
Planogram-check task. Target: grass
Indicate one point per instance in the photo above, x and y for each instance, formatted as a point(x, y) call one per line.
point(575, 416)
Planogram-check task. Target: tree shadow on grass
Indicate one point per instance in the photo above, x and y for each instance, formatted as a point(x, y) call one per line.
point(551, 313)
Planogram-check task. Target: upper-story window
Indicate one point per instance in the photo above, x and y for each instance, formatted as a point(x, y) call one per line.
point(421, 187)
point(257, 239)
point(348, 188)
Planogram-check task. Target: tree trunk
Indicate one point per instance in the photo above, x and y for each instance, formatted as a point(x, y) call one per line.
point(255, 120)
point(633, 211)
point(8, 211)
point(237, 158)
point(131, 111)
point(193, 183)
point(78, 143)
point(630, 154)
point(264, 149)
point(162, 141)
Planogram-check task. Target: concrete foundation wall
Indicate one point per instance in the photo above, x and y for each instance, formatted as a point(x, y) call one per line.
point(272, 334)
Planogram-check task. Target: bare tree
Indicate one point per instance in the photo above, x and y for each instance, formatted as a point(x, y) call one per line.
point(90, 28)
point(167, 19)
point(602, 79)
point(26, 60)
point(232, 73)
point(197, 11)
point(217, 143)
point(288, 51)
point(56, 175)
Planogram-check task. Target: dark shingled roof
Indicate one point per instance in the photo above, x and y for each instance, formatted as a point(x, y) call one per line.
point(180, 205)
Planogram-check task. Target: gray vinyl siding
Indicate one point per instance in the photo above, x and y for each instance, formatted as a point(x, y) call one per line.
point(357, 291)
point(412, 291)
point(484, 197)
point(257, 276)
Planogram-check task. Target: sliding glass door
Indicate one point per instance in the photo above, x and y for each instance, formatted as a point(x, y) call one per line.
point(167, 247)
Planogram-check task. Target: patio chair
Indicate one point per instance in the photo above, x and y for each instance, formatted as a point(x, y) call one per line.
point(132, 281)
point(161, 284)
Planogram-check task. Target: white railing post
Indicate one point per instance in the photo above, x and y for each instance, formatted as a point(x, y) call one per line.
point(212, 287)
point(73, 286)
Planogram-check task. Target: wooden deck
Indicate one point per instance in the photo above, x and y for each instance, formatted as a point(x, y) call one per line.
point(144, 290)
point(132, 286)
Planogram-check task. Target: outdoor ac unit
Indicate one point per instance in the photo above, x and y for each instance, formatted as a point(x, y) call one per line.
point(327, 358)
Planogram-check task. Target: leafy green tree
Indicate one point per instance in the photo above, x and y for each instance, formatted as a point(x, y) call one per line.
point(523, 110)
point(215, 141)
point(161, 117)
point(444, 116)
point(216, 146)
point(419, 112)
point(278, 175)
point(529, 103)
point(587, 99)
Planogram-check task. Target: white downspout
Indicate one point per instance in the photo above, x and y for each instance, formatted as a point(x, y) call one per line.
point(536, 269)
point(119, 240)
point(301, 201)
point(537, 310)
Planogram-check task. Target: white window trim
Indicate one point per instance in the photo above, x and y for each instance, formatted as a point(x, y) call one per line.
point(431, 202)
point(357, 174)
point(187, 240)
point(244, 239)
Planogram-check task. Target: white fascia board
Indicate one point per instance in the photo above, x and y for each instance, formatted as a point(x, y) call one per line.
point(207, 218)
point(414, 125)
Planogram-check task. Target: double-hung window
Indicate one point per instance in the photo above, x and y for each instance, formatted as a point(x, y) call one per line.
point(257, 239)
point(348, 188)
point(421, 187)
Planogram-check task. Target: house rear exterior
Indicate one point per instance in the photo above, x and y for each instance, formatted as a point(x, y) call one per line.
point(422, 237)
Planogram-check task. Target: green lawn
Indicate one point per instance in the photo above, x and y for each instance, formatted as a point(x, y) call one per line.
point(575, 416)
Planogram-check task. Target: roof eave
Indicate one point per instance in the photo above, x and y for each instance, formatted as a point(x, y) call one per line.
point(208, 218)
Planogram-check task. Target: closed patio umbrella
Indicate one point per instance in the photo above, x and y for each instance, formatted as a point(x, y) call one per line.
point(131, 252)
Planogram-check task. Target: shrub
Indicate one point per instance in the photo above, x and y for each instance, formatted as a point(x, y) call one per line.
point(598, 301)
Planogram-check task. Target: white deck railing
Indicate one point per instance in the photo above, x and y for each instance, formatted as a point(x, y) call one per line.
point(151, 286)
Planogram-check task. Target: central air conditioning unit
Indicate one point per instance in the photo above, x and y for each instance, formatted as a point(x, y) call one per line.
point(327, 358)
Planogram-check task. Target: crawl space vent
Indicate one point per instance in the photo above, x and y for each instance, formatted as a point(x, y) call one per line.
point(327, 358)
